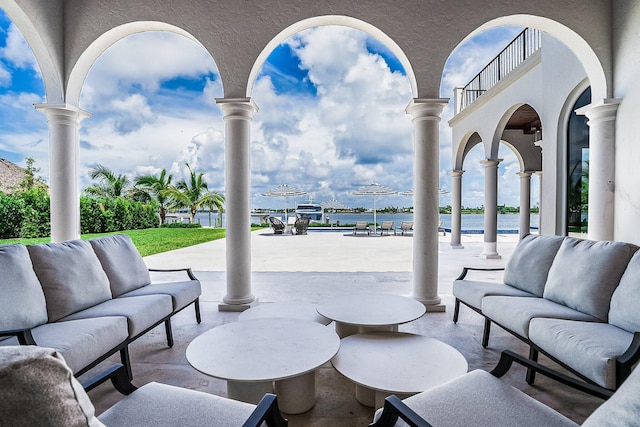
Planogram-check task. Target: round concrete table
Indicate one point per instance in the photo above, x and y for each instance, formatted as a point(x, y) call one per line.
point(384, 363)
point(287, 310)
point(367, 312)
point(252, 354)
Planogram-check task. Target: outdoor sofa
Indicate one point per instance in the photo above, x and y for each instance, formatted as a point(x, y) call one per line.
point(39, 389)
point(481, 399)
point(576, 301)
point(86, 299)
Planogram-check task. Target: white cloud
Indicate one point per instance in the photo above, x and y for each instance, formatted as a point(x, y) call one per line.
point(17, 52)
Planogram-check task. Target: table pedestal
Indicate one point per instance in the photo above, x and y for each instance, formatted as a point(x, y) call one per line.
point(298, 394)
point(374, 398)
point(248, 391)
point(346, 329)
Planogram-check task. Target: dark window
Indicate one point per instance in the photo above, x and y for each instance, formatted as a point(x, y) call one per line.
point(578, 168)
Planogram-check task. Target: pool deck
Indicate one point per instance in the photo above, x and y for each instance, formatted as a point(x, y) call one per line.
point(320, 265)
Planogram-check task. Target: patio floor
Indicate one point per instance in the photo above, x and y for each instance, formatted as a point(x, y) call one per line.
point(319, 265)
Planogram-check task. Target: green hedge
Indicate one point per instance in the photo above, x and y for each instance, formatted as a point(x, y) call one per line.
point(27, 215)
point(180, 225)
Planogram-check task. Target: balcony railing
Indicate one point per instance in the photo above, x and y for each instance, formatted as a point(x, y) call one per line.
point(523, 46)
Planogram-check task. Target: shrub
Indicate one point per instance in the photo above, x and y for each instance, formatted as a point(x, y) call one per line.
point(36, 218)
point(11, 214)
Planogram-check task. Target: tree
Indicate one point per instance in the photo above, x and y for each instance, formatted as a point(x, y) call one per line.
point(194, 193)
point(30, 180)
point(109, 185)
point(157, 187)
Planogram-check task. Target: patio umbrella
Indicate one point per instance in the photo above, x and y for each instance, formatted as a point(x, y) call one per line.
point(374, 190)
point(410, 192)
point(333, 204)
point(284, 191)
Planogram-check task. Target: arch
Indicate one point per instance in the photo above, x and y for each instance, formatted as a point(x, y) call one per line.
point(583, 51)
point(332, 20)
point(516, 152)
point(43, 49)
point(470, 140)
point(86, 60)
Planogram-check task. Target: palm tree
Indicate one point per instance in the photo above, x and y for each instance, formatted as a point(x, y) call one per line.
point(109, 184)
point(156, 189)
point(195, 194)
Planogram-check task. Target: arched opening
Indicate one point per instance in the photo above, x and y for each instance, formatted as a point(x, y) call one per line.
point(577, 156)
point(152, 98)
point(332, 119)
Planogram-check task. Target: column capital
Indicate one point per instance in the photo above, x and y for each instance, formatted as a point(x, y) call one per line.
point(456, 172)
point(240, 107)
point(525, 174)
point(489, 163)
point(426, 108)
point(61, 113)
point(604, 110)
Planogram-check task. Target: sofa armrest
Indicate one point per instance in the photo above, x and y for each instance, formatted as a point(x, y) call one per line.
point(465, 270)
point(508, 357)
point(24, 336)
point(267, 411)
point(628, 359)
point(118, 376)
point(395, 408)
point(169, 270)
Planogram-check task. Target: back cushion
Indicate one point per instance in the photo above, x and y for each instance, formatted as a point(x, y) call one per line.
point(530, 262)
point(122, 262)
point(39, 389)
point(624, 311)
point(22, 303)
point(585, 273)
point(71, 276)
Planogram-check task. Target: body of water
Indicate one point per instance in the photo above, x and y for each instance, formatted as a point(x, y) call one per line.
point(471, 223)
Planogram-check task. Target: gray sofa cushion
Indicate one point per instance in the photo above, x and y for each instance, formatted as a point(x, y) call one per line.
point(515, 313)
point(80, 342)
point(122, 262)
point(530, 262)
point(472, 292)
point(22, 303)
point(622, 408)
point(589, 348)
point(141, 312)
point(71, 276)
point(623, 311)
point(585, 273)
point(482, 400)
point(182, 293)
point(38, 389)
point(161, 405)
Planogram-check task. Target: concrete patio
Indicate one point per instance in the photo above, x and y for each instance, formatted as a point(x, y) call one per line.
point(319, 265)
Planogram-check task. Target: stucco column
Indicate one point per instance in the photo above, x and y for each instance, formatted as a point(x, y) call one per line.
point(602, 132)
point(425, 115)
point(490, 208)
point(64, 176)
point(525, 202)
point(456, 208)
point(238, 113)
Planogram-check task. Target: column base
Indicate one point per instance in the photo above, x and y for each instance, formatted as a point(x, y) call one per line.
point(223, 306)
point(490, 251)
point(491, 256)
point(433, 305)
point(456, 246)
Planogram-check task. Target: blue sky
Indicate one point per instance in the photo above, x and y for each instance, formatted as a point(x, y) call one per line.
point(331, 117)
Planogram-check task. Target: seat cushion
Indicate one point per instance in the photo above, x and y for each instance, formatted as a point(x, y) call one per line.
point(624, 311)
point(482, 400)
point(530, 262)
point(80, 342)
point(589, 348)
point(141, 312)
point(71, 276)
point(122, 263)
point(160, 405)
point(515, 313)
point(38, 389)
point(472, 292)
point(622, 408)
point(22, 303)
point(182, 293)
point(585, 273)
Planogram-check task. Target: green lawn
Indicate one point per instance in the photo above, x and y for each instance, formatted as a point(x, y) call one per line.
point(151, 241)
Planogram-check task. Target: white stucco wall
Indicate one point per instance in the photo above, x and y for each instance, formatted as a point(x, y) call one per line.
point(627, 88)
